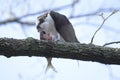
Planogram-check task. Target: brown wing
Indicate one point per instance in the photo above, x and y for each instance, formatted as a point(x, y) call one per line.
point(64, 27)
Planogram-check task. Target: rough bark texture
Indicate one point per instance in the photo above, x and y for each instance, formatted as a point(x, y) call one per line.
point(31, 47)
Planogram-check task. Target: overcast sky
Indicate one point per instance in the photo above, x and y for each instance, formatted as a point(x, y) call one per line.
point(33, 68)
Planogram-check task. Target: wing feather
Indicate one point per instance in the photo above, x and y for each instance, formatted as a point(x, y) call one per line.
point(64, 27)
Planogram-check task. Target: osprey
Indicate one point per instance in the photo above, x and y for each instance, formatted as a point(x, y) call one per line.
point(54, 26)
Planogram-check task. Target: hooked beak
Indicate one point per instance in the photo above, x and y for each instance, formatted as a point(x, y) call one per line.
point(38, 29)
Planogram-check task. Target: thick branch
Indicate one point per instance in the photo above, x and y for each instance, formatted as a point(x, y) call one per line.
point(32, 47)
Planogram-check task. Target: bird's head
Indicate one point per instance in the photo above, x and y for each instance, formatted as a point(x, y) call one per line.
point(45, 23)
point(46, 27)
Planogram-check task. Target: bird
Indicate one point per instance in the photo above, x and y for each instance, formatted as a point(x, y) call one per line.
point(54, 26)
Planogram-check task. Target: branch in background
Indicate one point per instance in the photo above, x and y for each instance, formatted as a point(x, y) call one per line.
point(111, 43)
point(32, 47)
point(74, 2)
point(94, 12)
point(18, 19)
point(104, 19)
point(26, 23)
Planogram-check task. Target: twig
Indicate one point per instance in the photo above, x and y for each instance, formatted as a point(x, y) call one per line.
point(111, 43)
point(104, 19)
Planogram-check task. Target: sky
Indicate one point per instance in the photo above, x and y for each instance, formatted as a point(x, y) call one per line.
point(33, 68)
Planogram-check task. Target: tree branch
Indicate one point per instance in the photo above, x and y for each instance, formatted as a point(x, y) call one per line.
point(116, 42)
point(31, 47)
point(104, 19)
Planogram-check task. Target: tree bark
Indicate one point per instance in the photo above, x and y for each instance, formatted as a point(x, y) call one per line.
point(10, 47)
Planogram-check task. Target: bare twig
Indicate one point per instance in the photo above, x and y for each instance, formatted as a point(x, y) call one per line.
point(111, 43)
point(104, 19)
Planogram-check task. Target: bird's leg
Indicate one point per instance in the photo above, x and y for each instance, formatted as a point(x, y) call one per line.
point(49, 65)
